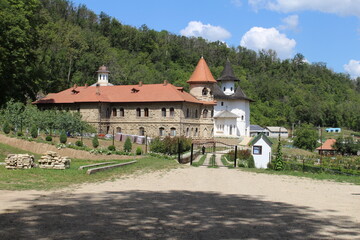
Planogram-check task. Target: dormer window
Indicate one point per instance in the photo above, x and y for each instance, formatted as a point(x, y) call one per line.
point(134, 90)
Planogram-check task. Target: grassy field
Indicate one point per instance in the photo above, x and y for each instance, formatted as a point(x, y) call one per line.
point(48, 179)
point(317, 176)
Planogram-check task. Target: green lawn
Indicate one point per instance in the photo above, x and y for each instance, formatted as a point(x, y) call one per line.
point(317, 176)
point(47, 179)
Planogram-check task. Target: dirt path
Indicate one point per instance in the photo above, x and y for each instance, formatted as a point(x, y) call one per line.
point(41, 148)
point(187, 203)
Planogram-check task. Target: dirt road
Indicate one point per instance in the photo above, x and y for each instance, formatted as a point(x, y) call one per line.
point(187, 203)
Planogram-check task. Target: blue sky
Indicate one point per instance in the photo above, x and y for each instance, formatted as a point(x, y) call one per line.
point(322, 30)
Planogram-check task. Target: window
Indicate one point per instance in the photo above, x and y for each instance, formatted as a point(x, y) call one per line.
point(173, 132)
point(224, 89)
point(138, 112)
point(187, 132)
point(172, 112)
point(204, 92)
point(118, 129)
point(163, 112)
point(231, 88)
point(196, 132)
point(212, 113)
point(108, 112)
point(187, 113)
point(114, 112)
point(161, 131)
point(222, 103)
point(205, 113)
point(146, 112)
point(196, 113)
point(141, 131)
point(122, 112)
point(257, 150)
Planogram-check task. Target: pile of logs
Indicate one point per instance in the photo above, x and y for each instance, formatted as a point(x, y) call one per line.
point(51, 160)
point(19, 161)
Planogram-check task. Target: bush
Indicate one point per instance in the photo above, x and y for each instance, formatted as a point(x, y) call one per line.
point(138, 151)
point(79, 143)
point(6, 128)
point(251, 163)
point(20, 134)
point(169, 145)
point(111, 148)
point(34, 132)
point(48, 138)
point(127, 145)
point(95, 142)
point(63, 138)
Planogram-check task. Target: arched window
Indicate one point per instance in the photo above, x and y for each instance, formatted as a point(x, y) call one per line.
point(161, 131)
point(108, 112)
point(141, 131)
point(196, 132)
point(118, 129)
point(196, 113)
point(172, 112)
point(173, 132)
point(114, 112)
point(187, 113)
point(146, 112)
point(224, 89)
point(222, 103)
point(122, 112)
point(204, 91)
point(242, 117)
point(163, 112)
point(205, 113)
point(138, 112)
point(212, 113)
point(187, 132)
point(231, 88)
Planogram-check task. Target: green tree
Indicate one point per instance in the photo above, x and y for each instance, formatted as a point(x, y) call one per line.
point(95, 142)
point(34, 131)
point(306, 137)
point(279, 162)
point(127, 145)
point(63, 137)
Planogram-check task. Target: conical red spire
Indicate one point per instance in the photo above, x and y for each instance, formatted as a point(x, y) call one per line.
point(202, 73)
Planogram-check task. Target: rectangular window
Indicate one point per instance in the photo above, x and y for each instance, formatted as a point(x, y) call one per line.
point(257, 150)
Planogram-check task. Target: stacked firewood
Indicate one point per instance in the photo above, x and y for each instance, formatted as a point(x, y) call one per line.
point(51, 160)
point(19, 161)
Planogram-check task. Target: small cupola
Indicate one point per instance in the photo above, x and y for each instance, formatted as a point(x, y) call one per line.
point(228, 79)
point(103, 76)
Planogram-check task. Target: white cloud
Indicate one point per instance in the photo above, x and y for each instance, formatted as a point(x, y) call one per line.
point(343, 7)
point(290, 23)
point(207, 31)
point(236, 3)
point(353, 68)
point(258, 38)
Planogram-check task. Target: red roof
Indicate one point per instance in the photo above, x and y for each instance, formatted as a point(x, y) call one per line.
point(122, 93)
point(202, 73)
point(327, 146)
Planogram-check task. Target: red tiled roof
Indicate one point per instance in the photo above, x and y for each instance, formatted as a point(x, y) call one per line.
point(202, 73)
point(122, 93)
point(327, 146)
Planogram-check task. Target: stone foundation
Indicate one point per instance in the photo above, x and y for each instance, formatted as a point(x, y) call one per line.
point(19, 161)
point(51, 160)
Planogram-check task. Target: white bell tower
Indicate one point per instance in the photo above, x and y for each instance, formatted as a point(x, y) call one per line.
point(103, 76)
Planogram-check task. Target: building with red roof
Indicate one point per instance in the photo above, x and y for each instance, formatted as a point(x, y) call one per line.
point(327, 147)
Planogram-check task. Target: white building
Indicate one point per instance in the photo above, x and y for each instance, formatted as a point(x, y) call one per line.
point(232, 112)
point(261, 150)
point(274, 132)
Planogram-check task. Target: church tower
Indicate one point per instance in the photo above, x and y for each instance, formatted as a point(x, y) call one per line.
point(103, 76)
point(228, 79)
point(202, 82)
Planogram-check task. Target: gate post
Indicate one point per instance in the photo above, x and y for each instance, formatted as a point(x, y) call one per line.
point(235, 156)
point(192, 151)
point(179, 157)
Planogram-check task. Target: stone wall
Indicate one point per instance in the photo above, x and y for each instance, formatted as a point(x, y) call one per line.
point(51, 160)
point(19, 161)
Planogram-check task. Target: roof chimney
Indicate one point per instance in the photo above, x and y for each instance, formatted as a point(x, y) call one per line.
point(140, 83)
point(165, 82)
point(86, 85)
point(97, 89)
point(75, 86)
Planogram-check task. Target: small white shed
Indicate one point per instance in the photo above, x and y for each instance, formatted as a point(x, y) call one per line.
point(261, 150)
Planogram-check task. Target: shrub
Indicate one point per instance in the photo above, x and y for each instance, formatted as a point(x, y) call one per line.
point(79, 143)
point(63, 137)
point(20, 134)
point(251, 163)
point(111, 148)
point(95, 142)
point(169, 145)
point(138, 151)
point(127, 145)
point(34, 132)
point(6, 128)
point(48, 138)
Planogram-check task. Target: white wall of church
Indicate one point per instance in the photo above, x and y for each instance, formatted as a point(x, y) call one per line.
point(240, 108)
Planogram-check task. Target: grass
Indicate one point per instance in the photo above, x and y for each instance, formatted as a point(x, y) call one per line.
point(200, 162)
point(225, 162)
point(48, 179)
point(316, 176)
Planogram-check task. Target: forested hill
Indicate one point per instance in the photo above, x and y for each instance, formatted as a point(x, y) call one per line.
point(49, 45)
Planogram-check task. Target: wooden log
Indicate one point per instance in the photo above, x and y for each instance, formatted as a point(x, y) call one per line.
point(94, 165)
point(94, 170)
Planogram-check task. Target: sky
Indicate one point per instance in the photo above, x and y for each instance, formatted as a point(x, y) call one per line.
point(322, 30)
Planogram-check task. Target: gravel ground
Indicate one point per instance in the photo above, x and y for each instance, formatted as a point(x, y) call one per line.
point(186, 203)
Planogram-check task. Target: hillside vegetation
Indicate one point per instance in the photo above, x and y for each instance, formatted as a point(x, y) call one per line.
point(49, 45)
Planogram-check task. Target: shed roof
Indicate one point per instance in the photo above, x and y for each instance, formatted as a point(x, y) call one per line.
point(256, 128)
point(123, 93)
